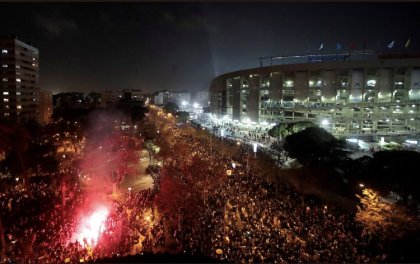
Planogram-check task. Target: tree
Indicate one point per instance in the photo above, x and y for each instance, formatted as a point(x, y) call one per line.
point(43, 158)
point(5, 131)
point(395, 171)
point(315, 146)
point(152, 149)
point(19, 139)
point(171, 107)
point(284, 129)
point(182, 116)
point(385, 220)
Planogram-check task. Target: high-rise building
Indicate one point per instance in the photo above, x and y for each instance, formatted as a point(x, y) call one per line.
point(161, 97)
point(19, 80)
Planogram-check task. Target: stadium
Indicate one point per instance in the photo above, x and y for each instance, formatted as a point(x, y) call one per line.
point(348, 94)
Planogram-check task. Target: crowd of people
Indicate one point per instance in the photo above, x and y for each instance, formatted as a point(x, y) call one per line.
point(36, 223)
point(221, 208)
point(236, 130)
point(40, 228)
point(244, 218)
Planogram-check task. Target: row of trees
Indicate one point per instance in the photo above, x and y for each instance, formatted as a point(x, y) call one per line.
point(27, 149)
point(283, 130)
point(386, 172)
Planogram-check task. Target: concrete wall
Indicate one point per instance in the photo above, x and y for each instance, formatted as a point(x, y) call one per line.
point(253, 98)
point(276, 86)
point(328, 89)
point(356, 86)
point(384, 84)
point(236, 99)
point(414, 94)
point(301, 86)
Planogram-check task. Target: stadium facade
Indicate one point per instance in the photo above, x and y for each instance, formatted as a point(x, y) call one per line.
point(345, 93)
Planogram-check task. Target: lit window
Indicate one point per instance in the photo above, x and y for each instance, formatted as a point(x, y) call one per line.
point(288, 83)
point(18, 80)
point(5, 65)
point(4, 51)
point(19, 107)
point(18, 93)
point(4, 79)
point(6, 106)
point(33, 58)
point(17, 66)
point(5, 100)
point(6, 114)
point(5, 93)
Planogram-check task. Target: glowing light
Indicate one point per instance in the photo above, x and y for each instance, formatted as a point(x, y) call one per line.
point(382, 141)
point(255, 147)
point(371, 82)
point(91, 227)
point(325, 122)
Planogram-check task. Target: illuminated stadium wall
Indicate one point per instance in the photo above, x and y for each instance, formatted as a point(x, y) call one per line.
point(354, 95)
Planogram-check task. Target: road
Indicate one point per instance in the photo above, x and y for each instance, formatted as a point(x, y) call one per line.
point(142, 180)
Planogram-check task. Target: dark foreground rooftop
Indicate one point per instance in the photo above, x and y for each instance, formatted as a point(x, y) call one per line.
point(160, 258)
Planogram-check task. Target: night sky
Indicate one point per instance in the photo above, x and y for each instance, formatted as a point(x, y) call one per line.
point(182, 46)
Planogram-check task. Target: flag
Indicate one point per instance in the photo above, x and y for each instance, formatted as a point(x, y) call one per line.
point(352, 45)
point(338, 47)
point(321, 47)
point(407, 43)
point(391, 45)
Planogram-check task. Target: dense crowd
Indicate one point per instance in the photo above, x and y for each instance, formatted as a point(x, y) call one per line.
point(244, 218)
point(223, 210)
point(40, 228)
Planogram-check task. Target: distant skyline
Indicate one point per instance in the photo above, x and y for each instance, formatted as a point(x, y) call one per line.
point(182, 46)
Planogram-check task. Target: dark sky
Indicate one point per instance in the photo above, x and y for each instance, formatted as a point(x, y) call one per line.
point(182, 46)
